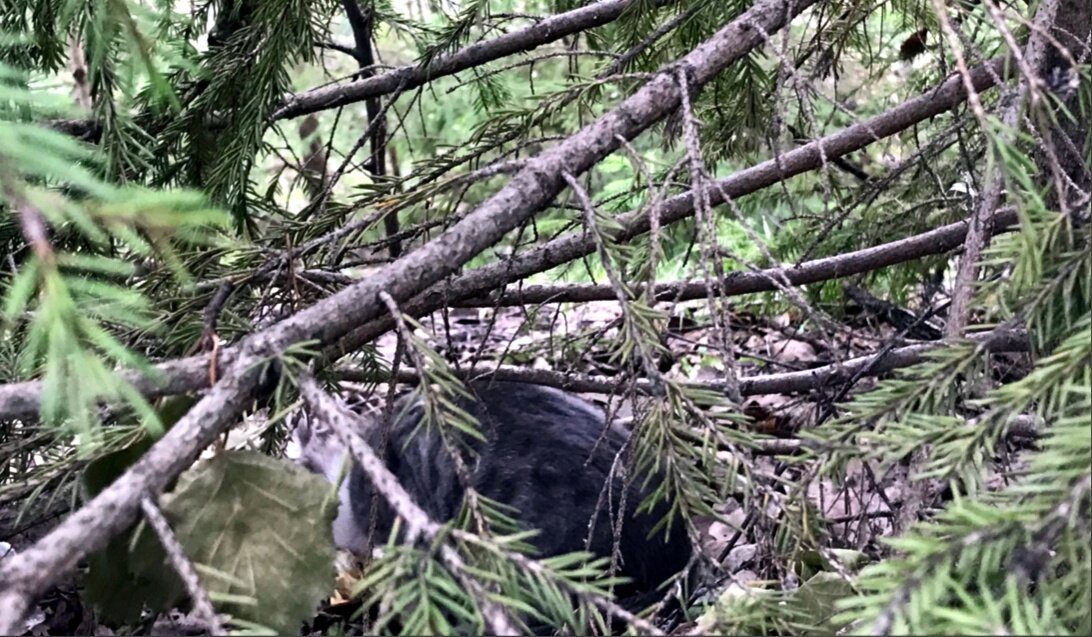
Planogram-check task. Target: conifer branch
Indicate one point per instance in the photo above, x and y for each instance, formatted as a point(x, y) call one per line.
point(816, 378)
point(411, 76)
point(28, 574)
point(575, 245)
point(21, 400)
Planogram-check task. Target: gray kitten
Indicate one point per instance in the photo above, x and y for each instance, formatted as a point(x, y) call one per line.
point(547, 454)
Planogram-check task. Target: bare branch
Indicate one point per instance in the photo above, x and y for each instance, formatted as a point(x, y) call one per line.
point(21, 400)
point(26, 575)
point(794, 162)
point(979, 234)
point(782, 383)
point(363, 27)
point(412, 76)
point(202, 605)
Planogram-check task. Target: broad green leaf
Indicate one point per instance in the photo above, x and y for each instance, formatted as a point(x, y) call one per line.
point(264, 522)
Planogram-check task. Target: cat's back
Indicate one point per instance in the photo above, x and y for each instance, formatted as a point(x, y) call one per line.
point(548, 454)
point(540, 446)
point(554, 459)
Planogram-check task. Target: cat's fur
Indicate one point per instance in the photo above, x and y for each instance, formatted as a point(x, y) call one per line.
point(548, 454)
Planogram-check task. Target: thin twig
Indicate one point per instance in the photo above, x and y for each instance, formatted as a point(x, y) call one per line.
point(418, 524)
point(21, 400)
point(825, 376)
point(199, 597)
point(411, 76)
point(331, 411)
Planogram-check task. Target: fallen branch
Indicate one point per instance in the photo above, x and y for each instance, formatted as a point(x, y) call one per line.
point(21, 400)
point(781, 383)
point(577, 244)
point(412, 76)
point(27, 575)
point(921, 245)
point(979, 232)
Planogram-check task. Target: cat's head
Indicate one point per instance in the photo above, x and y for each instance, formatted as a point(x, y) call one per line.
point(319, 448)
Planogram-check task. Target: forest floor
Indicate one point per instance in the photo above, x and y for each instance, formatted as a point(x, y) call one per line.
point(578, 341)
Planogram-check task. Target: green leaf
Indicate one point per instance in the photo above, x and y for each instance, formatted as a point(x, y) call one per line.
point(132, 571)
point(816, 599)
point(265, 523)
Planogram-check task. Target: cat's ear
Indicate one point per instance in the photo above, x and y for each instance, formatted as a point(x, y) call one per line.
point(320, 447)
point(367, 419)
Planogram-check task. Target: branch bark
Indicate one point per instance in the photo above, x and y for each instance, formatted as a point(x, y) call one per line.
point(937, 241)
point(412, 76)
point(978, 235)
point(575, 245)
point(1001, 340)
point(28, 574)
point(22, 400)
point(362, 26)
